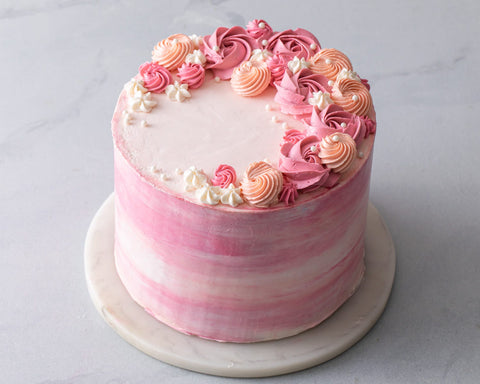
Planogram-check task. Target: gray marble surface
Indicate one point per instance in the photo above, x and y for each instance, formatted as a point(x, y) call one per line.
point(62, 64)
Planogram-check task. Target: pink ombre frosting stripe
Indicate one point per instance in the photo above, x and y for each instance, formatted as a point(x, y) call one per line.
point(200, 270)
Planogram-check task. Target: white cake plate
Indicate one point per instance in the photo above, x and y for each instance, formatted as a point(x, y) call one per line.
point(317, 345)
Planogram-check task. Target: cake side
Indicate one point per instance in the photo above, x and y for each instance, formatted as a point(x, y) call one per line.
point(258, 275)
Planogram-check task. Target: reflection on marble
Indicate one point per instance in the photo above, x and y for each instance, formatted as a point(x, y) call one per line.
point(63, 64)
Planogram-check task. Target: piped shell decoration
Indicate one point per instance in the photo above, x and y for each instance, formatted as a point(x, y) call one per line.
point(353, 96)
point(251, 78)
point(261, 184)
point(337, 151)
point(172, 51)
point(329, 62)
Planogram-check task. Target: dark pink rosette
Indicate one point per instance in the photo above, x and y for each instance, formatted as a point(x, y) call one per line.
point(191, 74)
point(224, 176)
point(293, 136)
point(302, 167)
point(277, 65)
point(365, 82)
point(371, 125)
point(259, 30)
point(294, 91)
point(155, 77)
point(289, 193)
point(333, 119)
point(226, 49)
point(299, 42)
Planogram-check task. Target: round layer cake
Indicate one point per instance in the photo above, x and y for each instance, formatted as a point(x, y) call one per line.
point(242, 169)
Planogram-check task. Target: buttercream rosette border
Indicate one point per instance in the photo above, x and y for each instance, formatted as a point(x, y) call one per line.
point(314, 85)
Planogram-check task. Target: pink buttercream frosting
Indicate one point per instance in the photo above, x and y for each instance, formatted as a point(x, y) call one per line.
point(191, 74)
point(294, 91)
point(289, 193)
point(155, 77)
point(259, 29)
point(370, 124)
point(334, 119)
point(289, 43)
point(277, 65)
point(293, 136)
point(224, 176)
point(226, 49)
point(302, 166)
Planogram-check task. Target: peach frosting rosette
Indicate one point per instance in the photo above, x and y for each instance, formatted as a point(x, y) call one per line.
point(353, 96)
point(329, 62)
point(261, 184)
point(251, 78)
point(172, 51)
point(337, 151)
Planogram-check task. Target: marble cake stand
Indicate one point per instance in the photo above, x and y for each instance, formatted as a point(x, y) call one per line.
point(332, 337)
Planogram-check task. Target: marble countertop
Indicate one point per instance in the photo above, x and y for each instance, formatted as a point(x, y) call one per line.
point(62, 66)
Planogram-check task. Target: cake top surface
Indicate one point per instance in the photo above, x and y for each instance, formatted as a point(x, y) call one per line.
point(245, 118)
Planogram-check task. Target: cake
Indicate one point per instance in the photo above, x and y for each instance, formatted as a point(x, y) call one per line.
point(242, 170)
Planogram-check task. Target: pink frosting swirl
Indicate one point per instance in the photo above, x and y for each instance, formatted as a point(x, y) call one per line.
point(301, 165)
point(365, 82)
point(224, 176)
point(334, 119)
point(155, 77)
point(226, 49)
point(277, 65)
point(293, 136)
point(338, 151)
point(172, 51)
point(261, 184)
point(294, 91)
point(259, 30)
point(191, 74)
point(251, 78)
point(289, 193)
point(299, 42)
point(370, 124)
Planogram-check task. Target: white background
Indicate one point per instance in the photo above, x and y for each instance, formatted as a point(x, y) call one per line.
point(62, 65)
